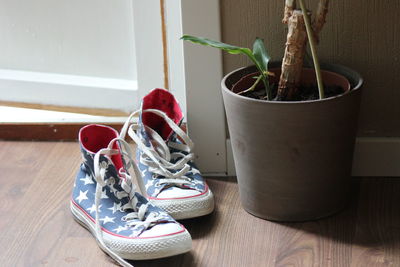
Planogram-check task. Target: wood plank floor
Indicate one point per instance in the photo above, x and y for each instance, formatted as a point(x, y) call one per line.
point(37, 229)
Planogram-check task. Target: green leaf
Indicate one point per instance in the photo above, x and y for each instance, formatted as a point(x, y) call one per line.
point(226, 47)
point(260, 53)
point(259, 56)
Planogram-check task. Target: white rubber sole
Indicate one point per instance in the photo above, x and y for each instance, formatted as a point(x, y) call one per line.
point(140, 248)
point(185, 208)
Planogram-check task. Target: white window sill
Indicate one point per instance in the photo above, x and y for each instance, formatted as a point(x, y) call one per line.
point(25, 115)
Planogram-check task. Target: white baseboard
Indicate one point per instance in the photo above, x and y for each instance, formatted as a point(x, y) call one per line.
point(373, 156)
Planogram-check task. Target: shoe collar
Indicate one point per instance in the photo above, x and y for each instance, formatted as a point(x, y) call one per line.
point(94, 137)
point(164, 101)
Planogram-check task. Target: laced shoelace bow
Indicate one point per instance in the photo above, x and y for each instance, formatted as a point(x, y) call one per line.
point(134, 218)
point(169, 168)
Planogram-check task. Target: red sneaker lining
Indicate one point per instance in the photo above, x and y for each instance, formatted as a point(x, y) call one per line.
point(162, 100)
point(95, 137)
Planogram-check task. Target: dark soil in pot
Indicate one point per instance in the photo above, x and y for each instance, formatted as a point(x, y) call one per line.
point(334, 85)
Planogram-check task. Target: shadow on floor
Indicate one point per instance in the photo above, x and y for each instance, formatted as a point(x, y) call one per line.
point(371, 219)
point(202, 226)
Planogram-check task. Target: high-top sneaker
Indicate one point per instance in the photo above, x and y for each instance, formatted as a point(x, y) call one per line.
point(164, 155)
point(104, 200)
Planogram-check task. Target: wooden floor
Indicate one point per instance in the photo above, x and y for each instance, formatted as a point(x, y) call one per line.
point(37, 229)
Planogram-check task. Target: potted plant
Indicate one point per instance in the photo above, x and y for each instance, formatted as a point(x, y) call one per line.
point(292, 128)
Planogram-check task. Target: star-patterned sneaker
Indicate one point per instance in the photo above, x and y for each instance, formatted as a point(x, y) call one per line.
point(164, 155)
point(105, 201)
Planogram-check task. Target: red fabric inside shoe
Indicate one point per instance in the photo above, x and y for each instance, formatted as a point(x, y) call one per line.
point(162, 100)
point(95, 137)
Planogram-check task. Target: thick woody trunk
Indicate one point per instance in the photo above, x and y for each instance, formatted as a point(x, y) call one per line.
point(290, 5)
point(293, 59)
point(320, 18)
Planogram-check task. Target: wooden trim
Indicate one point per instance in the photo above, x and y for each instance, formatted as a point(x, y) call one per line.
point(45, 131)
point(89, 111)
point(165, 43)
point(148, 46)
point(176, 64)
point(206, 123)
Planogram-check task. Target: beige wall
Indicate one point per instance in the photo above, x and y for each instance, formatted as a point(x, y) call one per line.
point(364, 35)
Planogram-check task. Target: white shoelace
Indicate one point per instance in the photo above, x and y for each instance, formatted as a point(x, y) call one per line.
point(158, 157)
point(129, 190)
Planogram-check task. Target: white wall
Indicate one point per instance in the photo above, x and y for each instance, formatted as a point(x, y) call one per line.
point(78, 37)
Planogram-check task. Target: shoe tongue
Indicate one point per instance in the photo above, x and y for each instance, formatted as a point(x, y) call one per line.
point(164, 101)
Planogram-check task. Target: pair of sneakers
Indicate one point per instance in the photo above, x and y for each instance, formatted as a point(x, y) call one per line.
point(127, 224)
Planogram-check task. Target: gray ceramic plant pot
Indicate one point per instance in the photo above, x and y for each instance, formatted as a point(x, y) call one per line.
point(293, 159)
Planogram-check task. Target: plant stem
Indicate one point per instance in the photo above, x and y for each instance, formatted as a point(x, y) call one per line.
point(268, 88)
point(264, 77)
point(252, 87)
point(311, 39)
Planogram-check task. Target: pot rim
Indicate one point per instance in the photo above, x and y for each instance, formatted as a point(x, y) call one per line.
point(357, 87)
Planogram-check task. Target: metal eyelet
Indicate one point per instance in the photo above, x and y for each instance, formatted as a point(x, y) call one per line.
point(104, 165)
point(111, 181)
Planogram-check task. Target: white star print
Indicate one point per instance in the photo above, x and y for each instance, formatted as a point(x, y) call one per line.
point(149, 183)
point(82, 196)
point(93, 208)
point(107, 219)
point(195, 171)
point(84, 158)
point(87, 180)
point(144, 172)
point(157, 190)
point(113, 189)
point(135, 233)
point(103, 194)
point(115, 207)
point(120, 228)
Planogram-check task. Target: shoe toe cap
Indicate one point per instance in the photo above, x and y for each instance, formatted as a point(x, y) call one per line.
point(176, 192)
